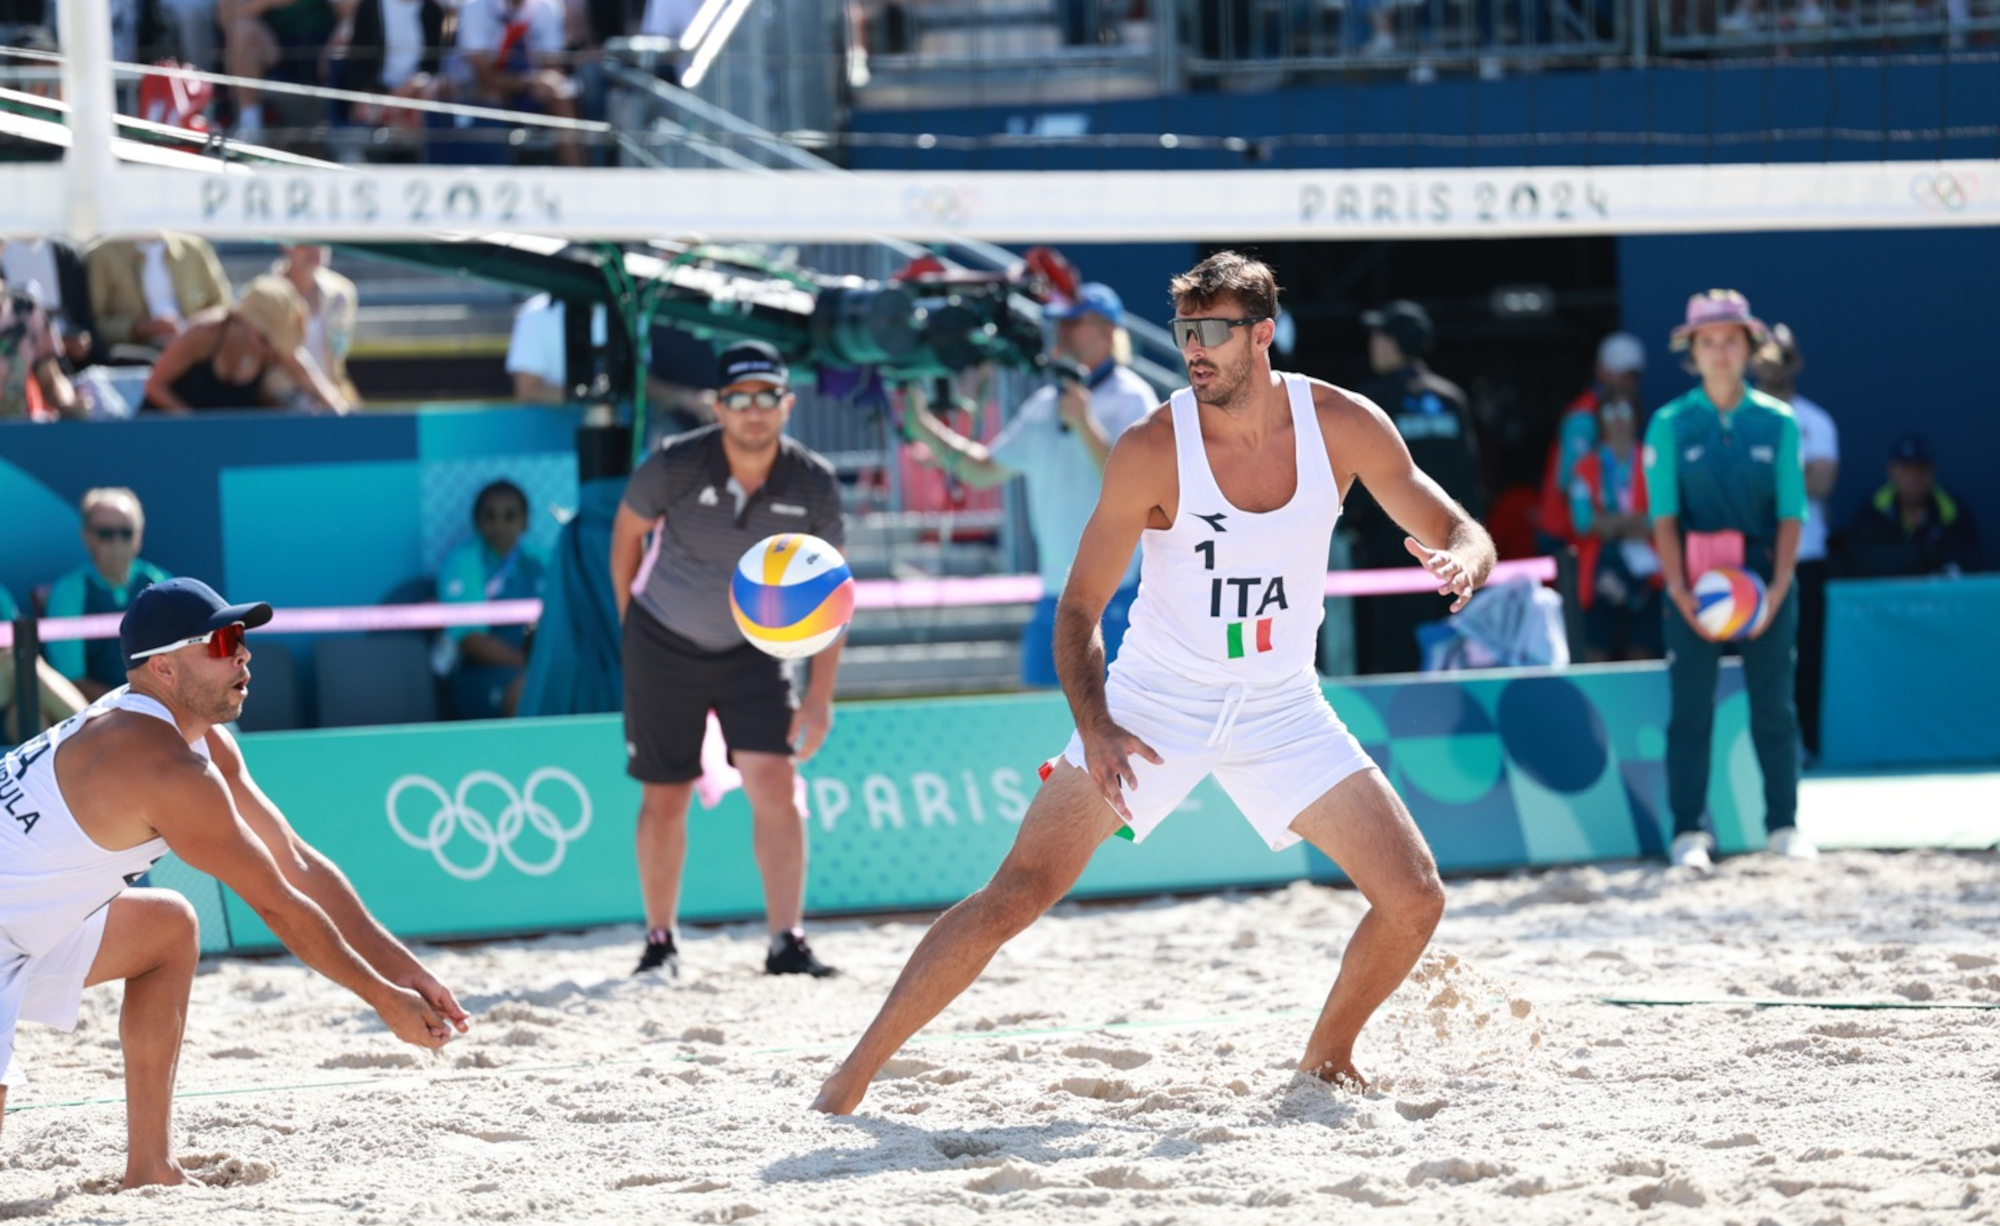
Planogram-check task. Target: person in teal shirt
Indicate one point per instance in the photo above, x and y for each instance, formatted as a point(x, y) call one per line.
point(114, 529)
point(1726, 486)
point(489, 661)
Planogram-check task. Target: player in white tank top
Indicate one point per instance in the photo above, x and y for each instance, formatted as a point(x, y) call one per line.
point(88, 806)
point(1230, 491)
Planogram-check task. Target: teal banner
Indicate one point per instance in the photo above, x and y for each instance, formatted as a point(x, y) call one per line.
point(1911, 670)
point(522, 826)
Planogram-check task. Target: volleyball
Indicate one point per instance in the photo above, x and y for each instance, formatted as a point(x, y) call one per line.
point(792, 595)
point(1728, 602)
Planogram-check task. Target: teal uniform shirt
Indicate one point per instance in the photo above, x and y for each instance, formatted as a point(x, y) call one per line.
point(84, 591)
point(1719, 471)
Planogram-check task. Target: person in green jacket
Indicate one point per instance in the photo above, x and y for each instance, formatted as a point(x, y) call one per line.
point(1727, 488)
point(114, 529)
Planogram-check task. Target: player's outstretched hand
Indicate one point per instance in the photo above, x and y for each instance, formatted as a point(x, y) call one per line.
point(438, 997)
point(1107, 755)
point(411, 1019)
point(1453, 579)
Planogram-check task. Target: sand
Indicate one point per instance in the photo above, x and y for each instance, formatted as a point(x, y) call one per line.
point(1119, 1064)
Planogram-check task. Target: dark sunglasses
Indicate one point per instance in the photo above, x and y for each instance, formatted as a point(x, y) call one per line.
point(222, 643)
point(743, 402)
point(1210, 332)
point(114, 534)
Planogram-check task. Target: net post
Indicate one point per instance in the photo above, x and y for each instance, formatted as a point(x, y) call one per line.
point(27, 677)
point(86, 72)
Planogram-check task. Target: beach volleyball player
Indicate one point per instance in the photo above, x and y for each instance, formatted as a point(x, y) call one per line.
point(1230, 491)
point(91, 804)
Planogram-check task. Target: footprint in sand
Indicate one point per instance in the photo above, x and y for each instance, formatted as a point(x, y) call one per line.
point(369, 1059)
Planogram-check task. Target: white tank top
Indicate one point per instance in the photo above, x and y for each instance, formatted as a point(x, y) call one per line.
point(52, 874)
point(1232, 597)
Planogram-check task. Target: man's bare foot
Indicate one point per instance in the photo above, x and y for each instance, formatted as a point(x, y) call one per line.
point(167, 1174)
point(838, 1097)
point(1340, 1073)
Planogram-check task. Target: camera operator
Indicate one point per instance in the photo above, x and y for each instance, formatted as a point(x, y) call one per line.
point(1057, 442)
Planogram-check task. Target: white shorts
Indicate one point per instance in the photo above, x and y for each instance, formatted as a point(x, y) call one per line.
point(1274, 749)
point(46, 989)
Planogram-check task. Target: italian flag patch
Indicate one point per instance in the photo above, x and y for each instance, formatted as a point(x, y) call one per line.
point(1245, 637)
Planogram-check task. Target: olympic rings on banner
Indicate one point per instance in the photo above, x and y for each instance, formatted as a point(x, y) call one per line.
point(455, 814)
point(1944, 192)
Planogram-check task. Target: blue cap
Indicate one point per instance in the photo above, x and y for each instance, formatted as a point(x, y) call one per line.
point(751, 362)
point(1093, 298)
point(1913, 449)
point(179, 609)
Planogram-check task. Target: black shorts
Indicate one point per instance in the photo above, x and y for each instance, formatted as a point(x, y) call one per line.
point(670, 687)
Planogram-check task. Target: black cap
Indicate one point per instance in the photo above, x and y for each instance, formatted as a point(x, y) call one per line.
point(751, 361)
point(179, 609)
point(1408, 322)
point(1913, 449)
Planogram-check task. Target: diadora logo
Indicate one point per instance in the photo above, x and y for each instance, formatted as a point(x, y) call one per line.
point(1764, 453)
point(708, 496)
point(1693, 453)
point(453, 814)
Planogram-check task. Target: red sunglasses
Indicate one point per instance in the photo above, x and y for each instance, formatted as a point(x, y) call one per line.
point(222, 643)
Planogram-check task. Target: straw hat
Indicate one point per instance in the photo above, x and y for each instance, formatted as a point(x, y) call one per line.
point(272, 306)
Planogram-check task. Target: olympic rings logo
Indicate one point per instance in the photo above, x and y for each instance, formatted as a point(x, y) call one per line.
point(522, 809)
point(944, 206)
point(1944, 192)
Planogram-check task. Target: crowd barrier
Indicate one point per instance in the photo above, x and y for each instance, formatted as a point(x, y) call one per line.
point(488, 829)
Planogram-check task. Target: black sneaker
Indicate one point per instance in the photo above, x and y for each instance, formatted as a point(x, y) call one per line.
point(795, 957)
point(660, 956)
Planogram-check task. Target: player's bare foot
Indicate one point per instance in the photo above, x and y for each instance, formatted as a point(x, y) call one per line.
point(166, 1174)
point(1341, 1073)
point(841, 1094)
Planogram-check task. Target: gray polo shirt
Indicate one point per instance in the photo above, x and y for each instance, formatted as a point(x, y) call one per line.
point(707, 524)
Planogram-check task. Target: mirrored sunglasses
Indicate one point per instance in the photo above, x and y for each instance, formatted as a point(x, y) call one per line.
point(1210, 332)
point(222, 643)
point(743, 402)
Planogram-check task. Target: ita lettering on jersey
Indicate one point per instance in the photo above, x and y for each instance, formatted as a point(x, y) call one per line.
point(1245, 605)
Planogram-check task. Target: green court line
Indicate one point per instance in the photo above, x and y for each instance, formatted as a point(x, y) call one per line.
point(794, 1049)
point(1792, 1002)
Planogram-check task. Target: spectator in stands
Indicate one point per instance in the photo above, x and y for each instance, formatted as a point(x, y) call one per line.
point(266, 38)
point(487, 663)
point(1621, 361)
point(225, 358)
point(538, 350)
point(1618, 572)
point(1776, 369)
point(114, 530)
point(1911, 526)
point(511, 53)
point(32, 382)
point(331, 303)
point(1435, 420)
point(1726, 488)
point(1057, 441)
point(144, 291)
point(52, 272)
point(390, 47)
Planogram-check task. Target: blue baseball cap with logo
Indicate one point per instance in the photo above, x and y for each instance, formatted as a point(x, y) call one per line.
point(177, 610)
point(751, 362)
point(1913, 448)
point(1092, 298)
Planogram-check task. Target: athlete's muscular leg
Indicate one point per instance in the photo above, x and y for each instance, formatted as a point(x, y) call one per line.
point(1063, 826)
point(152, 942)
point(1362, 826)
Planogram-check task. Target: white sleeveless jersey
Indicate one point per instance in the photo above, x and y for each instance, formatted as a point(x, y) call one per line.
point(52, 875)
point(1231, 597)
